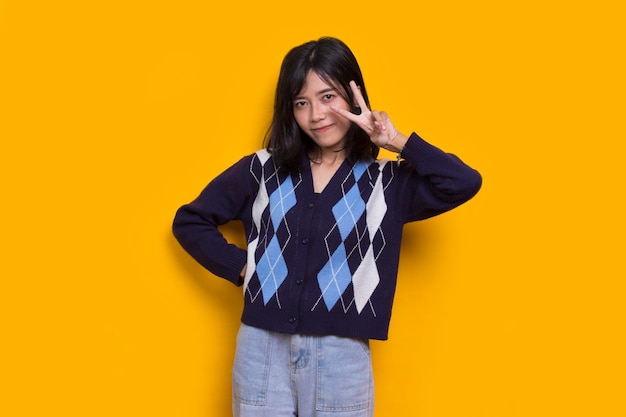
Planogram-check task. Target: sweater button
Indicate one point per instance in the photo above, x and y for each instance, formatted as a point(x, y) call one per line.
point(292, 320)
point(299, 282)
point(311, 205)
point(305, 241)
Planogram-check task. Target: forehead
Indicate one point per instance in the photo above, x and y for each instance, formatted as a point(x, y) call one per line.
point(314, 84)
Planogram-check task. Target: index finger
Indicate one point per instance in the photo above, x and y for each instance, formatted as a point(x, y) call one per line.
point(345, 113)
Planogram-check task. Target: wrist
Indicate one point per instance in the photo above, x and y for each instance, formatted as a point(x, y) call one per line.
point(397, 143)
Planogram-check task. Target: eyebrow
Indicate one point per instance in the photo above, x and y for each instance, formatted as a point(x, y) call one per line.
point(324, 91)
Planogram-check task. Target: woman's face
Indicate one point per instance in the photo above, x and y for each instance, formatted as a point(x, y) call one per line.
point(311, 109)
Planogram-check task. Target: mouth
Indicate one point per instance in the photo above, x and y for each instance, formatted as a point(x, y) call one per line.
point(322, 129)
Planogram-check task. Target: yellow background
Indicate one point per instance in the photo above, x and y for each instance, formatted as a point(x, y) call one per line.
point(114, 113)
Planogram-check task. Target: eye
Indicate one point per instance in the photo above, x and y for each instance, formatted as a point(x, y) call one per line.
point(327, 97)
point(298, 104)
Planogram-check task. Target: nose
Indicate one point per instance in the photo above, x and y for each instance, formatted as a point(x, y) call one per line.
point(318, 112)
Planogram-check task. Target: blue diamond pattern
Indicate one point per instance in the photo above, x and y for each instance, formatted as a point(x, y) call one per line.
point(348, 210)
point(281, 201)
point(271, 268)
point(335, 276)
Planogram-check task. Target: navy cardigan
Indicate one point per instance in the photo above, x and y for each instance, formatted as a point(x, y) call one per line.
point(322, 263)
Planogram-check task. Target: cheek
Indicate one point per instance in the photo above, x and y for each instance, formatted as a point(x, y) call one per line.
point(299, 118)
point(345, 105)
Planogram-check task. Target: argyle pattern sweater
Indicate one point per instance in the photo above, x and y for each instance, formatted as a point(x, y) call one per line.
point(321, 263)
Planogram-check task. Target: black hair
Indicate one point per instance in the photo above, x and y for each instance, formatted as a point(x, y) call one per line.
point(333, 62)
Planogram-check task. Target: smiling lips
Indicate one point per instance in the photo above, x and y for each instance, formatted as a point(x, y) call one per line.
point(322, 129)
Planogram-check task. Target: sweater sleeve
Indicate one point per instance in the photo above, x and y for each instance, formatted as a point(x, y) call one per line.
point(433, 181)
point(196, 223)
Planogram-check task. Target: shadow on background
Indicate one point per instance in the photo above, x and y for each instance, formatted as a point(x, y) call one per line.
point(224, 303)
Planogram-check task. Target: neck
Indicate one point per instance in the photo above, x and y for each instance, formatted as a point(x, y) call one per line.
point(327, 157)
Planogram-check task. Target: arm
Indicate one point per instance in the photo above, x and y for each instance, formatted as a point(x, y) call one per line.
point(196, 224)
point(430, 180)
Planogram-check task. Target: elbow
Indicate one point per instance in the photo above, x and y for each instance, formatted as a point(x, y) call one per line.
point(472, 183)
point(176, 231)
point(475, 183)
point(180, 224)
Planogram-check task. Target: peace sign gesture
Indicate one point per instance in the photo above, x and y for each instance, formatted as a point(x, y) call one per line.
point(376, 124)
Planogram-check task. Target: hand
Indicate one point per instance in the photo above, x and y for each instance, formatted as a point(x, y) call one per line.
point(376, 124)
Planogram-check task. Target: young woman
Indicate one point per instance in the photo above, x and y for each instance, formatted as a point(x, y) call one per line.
point(323, 218)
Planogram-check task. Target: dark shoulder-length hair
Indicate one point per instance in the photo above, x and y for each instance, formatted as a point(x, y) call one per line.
point(333, 62)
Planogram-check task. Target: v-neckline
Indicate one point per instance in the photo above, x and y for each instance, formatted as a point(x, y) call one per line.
point(331, 180)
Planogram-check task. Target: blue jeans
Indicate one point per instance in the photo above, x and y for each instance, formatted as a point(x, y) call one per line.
point(283, 375)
